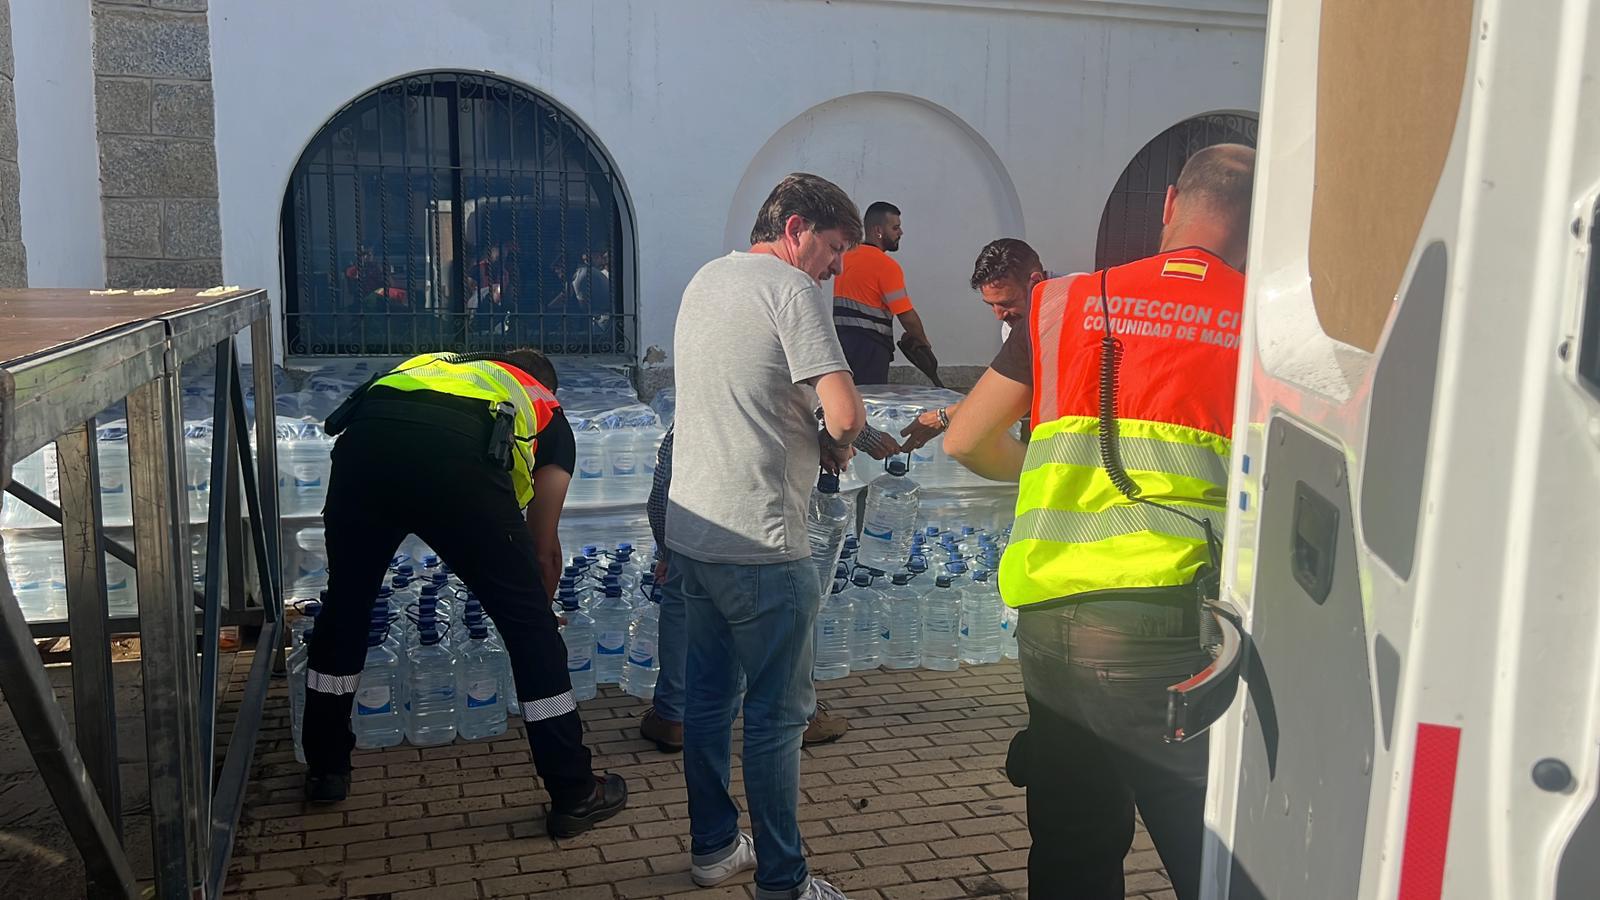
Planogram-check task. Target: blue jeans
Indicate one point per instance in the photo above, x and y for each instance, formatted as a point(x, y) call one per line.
point(758, 618)
point(671, 647)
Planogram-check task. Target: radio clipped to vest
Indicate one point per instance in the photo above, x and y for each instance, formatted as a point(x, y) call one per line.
point(502, 435)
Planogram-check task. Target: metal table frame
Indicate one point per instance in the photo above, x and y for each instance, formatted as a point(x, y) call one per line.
point(54, 396)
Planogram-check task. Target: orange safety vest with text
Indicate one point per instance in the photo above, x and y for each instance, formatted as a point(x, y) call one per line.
point(1177, 316)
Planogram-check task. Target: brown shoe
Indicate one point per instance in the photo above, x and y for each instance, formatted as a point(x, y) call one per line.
point(668, 735)
point(824, 727)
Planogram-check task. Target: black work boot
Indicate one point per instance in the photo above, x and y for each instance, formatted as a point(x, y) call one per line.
point(328, 787)
point(609, 797)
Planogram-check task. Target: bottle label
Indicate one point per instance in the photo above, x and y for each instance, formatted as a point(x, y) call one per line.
point(877, 530)
point(610, 642)
point(373, 701)
point(483, 693)
point(642, 654)
point(590, 467)
point(306, 478)
point(886, 634)
point(578, 661)
point(624, 463)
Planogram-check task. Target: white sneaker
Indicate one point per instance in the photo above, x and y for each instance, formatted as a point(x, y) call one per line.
point(743, 857)
point(821, 890)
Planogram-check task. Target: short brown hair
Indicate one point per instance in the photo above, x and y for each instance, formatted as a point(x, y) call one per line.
point(817, 200)
point(1005, 257)
point(1221, 178)
point(534, 363)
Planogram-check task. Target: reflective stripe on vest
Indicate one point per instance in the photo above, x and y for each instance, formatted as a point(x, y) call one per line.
point(1075, 533)
point(494, 383)
point(855, 314)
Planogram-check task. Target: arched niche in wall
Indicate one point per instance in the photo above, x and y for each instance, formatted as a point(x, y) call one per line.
point(953, 192)
point(456, 211)
point(1130, 224)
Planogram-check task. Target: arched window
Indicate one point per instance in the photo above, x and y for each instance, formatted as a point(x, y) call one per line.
point(453, 211)
point(1130, 226)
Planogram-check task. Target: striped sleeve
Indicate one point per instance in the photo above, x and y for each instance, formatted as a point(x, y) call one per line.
point(894, 288)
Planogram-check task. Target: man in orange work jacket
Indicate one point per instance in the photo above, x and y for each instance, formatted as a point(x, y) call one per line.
point(870, 294)
point(1106, 583)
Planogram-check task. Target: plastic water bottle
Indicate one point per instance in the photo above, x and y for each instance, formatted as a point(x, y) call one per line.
point(480, 674)
point(589, 482)
point(311, 568)
point(376, 718)
point(643, 666)
point(941, 622)
point(902, 629)
point(892, 502)
point(122, 588)
point(1008, 632)
point(834, 622)
point(297, 663)
point(306, 452)
point(431, 689)
point(980, 622)
point(828, 520)
point(197, 468)
point(611, 613)
point(116, 496)
point(866, 632)
point(404, 593)
point(623, 479)
point(580, 639)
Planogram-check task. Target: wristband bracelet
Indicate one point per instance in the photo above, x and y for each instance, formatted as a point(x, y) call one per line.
point(944, 418)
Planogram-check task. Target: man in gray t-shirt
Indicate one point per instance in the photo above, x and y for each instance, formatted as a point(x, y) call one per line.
point(755, 351)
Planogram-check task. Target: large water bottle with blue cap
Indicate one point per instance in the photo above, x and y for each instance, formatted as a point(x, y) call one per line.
point(300, 636)
point(866, 632)
point(893, 499)
point(480, 680)
point(579, 636)
point(980, 621)
point(430, 688)
point(376, 715)
point(643, 666)
point(902, 630)
point(828, 519)
point(835, 619)
point(611, 613)
point(941, 625)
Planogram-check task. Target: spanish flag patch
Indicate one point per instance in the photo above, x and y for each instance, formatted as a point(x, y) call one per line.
point(1182, 267)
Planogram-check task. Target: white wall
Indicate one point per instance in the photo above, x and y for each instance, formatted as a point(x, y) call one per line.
point(57, 150)
point(978, 119)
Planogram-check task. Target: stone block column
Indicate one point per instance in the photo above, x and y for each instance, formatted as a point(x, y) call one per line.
point(158, 160)
point(13, 258)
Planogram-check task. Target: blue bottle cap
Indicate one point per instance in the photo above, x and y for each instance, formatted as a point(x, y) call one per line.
point(625, 547)
point(430, 560)
point(957, 567)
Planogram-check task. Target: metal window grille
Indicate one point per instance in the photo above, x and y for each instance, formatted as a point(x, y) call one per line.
point(1130, 226)
point(453, 211)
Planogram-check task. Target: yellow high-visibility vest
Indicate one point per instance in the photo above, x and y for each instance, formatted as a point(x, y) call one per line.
point(494, 383)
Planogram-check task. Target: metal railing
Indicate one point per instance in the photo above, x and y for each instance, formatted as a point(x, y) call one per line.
point(194, 803)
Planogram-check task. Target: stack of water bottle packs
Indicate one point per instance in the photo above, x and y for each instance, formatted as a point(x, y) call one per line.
point(900, 596)
point(436, 667)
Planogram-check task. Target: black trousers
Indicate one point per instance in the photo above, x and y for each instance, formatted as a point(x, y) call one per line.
point(868, 354)
point(392, 478)
point(1096, 675)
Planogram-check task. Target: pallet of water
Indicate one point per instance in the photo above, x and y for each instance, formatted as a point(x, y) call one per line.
point(437, 668)
point(937, 608)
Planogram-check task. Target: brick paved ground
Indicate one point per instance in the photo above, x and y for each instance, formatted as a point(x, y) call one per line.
point(910, 803)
